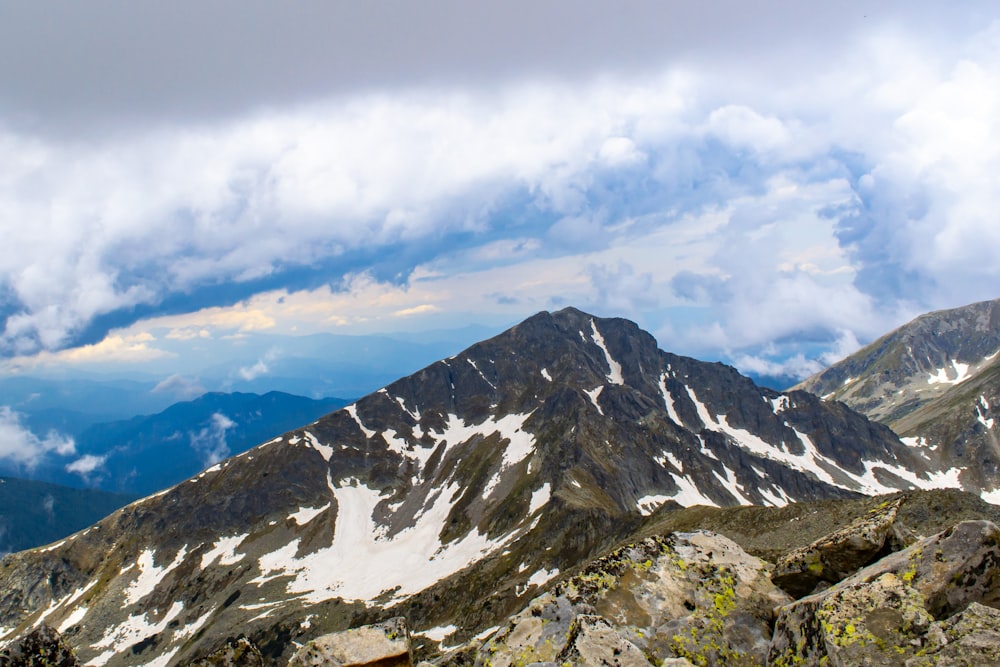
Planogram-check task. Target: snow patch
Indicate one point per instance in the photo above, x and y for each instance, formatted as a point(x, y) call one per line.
point(149, 575)
point(437, 634)
point(593, 394)
point(942, 375)
point(133, 630)
point(224, 550)
point(668, 401)
point(545, 374)
point(731, 485)
point(648, 504)
point(542, 576)
point(689, 494)
point(992, 497)
point(780, 404)
point(539, 498)
point(307, 514)
point(983, 409)
point(352, 410)
point(325, 451)
point(666, 457)
point(363, 562)
point(776, 497)
point(615, 373)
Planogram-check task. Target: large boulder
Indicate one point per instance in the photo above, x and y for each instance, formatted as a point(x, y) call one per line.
point(384, 644)
point(686, 595)
point(887, 612)
point(839, 554)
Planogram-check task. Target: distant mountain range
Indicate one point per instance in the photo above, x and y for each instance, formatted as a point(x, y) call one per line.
point(146, 454)
point(34, 513)
point(936, 382)
point(449, 497)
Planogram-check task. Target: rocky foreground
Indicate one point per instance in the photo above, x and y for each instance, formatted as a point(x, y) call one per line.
point(873, 592)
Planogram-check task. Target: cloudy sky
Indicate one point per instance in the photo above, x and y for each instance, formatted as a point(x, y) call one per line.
point(768, 183)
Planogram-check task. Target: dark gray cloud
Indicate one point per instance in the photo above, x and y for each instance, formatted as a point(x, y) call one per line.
point(113, 63)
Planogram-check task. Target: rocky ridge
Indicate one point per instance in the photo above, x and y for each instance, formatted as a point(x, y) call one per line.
point(450, 497)
point(936, 382)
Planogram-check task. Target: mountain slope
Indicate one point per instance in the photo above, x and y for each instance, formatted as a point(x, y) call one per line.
point(936, 382)
point(34, 513)
point(449, 495)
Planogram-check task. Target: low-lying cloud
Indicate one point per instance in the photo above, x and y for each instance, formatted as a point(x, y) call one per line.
point(22, 448)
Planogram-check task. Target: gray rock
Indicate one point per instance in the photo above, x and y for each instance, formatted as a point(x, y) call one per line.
point(687, 595)
point(835, 556)
point(885, 614)
point(593, 642)
point(970, 638)
point(384, 644)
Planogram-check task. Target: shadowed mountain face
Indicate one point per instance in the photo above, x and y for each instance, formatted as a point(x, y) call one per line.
point(936, 382)
point(447, 496)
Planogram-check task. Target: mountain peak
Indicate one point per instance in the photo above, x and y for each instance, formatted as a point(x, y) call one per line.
point(522, 455)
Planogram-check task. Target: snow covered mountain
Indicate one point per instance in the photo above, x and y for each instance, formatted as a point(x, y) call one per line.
point(448, 497)
point(936, 382)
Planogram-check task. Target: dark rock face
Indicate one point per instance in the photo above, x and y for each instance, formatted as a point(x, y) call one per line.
point(43, 647)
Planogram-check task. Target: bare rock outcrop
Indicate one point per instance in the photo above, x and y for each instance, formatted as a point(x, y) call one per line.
point(385, 644)
point(694, 596)
point(901, 608)
point(839, 554)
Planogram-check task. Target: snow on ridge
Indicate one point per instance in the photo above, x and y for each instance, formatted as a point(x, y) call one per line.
point(593, 394)
point(615, 373)
point(352, 410)
point(941, 375)
point(149, 575)
point(542, 576)
point(668, 456)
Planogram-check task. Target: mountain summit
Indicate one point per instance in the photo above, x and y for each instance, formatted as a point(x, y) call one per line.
point(936, 382)
point(510, 462)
